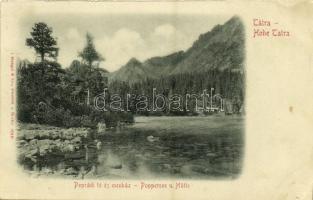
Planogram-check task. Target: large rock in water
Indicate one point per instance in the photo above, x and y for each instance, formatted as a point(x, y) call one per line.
point(151, 138)
point(101, 127)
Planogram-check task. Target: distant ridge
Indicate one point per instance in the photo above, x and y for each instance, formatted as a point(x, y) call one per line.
point(221, 48)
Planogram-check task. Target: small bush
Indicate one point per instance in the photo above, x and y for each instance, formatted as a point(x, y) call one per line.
point(86, 121)
point(24, 113)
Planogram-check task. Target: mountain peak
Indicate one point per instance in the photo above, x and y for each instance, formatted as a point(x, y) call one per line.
point(133, 62)
point(220, 48)
point(234, 19)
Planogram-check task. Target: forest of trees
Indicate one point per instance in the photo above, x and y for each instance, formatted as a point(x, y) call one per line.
point(51, 94)
point(228, 84)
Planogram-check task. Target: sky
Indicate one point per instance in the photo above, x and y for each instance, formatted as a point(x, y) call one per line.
point(119, 37)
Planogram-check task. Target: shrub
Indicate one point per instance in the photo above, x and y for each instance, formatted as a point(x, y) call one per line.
point(24, 113)
point(86, 121)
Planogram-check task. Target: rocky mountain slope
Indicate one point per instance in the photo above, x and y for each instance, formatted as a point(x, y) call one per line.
point(221, 48)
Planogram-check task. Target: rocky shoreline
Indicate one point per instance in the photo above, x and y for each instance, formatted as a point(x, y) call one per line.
point(52, 150)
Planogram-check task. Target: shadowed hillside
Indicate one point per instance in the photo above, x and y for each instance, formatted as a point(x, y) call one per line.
point(221, 48)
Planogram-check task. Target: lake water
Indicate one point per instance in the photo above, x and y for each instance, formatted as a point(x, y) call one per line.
point(209, 147)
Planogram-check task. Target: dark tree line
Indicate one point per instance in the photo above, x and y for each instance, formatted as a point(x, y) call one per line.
point(229, 84)
point(48, 94)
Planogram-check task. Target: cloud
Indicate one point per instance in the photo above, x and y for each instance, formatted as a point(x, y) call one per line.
point(120, 47)
point(165, 30)
point(124, 44)
point(72, 34)
point(70, 44)
point(168, 39)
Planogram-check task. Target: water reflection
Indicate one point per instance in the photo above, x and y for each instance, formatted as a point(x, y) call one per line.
point(160, 148)
point(130, 153)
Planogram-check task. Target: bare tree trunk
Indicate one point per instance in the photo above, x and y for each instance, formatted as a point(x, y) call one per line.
point(42, 55)
point(90, 65)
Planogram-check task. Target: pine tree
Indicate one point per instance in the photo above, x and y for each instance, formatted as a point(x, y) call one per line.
point(42, 41)
point(89, 53)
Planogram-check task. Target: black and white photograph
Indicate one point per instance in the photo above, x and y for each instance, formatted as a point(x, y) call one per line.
point(170, 100)
point(131, 96)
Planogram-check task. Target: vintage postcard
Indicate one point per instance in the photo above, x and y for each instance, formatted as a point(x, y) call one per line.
point(156, 100)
